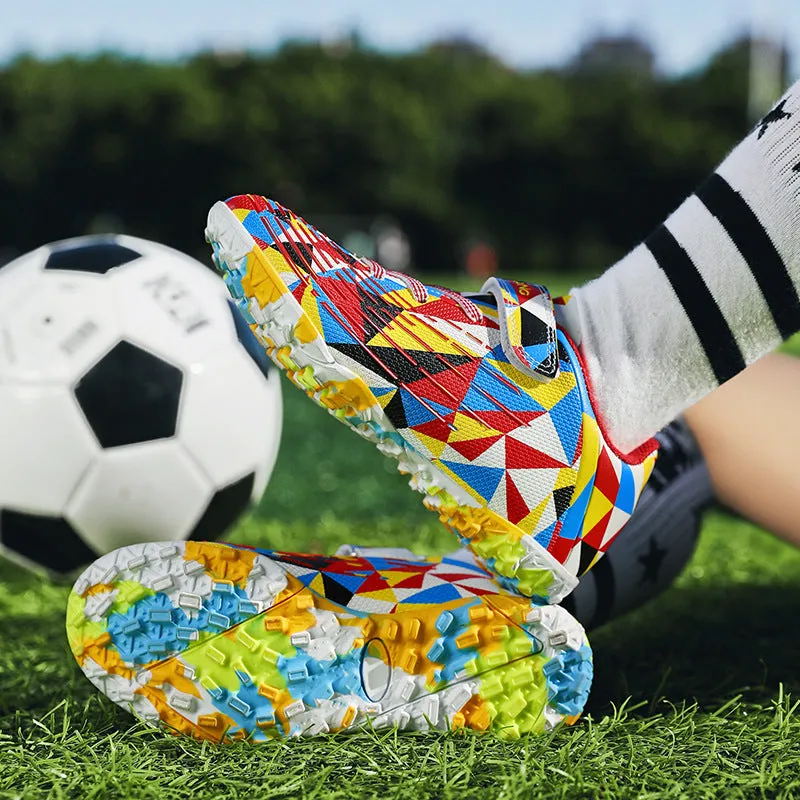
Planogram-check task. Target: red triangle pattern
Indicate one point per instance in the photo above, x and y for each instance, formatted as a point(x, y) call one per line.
point(438, 429)
point(560, 547)
point(448, 387)
point(506, 422)
point(442, 309)
point(595, 535)
point(411, 582)
point(522, 456)
point(516, 507)
point(472, 448)
point(606, 478)
point(374, 582)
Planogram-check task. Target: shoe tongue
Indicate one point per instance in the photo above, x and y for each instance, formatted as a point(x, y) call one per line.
point(527, 326)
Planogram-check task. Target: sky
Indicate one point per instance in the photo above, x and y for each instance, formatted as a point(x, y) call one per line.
point(525, 33)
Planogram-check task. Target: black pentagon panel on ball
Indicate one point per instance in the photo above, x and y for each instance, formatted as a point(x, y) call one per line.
point(130, 396)
point(249, 341)
point(96, 254)
point(48, 541)
point(224, 508)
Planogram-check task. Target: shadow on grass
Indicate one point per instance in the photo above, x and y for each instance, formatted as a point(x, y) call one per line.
point(703, 643)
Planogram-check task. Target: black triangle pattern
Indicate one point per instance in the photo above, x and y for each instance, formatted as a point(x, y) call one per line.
point(395, 411)
point(376, 313)
point(396, 366)
point(298, 252)
point(534, 331)
point(562, 498)
point(587, 555)
point(335, 591)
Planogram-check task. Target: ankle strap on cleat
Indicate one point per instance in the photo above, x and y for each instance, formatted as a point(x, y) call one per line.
point(527, 326)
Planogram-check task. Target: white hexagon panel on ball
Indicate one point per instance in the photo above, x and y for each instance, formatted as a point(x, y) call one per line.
point(139, 493)
point(58, 329)
point(172, 306)
point(232, 435)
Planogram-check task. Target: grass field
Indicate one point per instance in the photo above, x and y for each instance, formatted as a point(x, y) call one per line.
point(695, 695)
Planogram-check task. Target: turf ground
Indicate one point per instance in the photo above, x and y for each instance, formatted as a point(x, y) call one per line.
point(695, 695)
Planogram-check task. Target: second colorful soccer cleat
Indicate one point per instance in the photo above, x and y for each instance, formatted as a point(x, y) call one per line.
point(222, 642)
point(482, 398)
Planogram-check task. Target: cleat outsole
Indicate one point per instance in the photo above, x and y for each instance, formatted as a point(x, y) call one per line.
point(305, 665)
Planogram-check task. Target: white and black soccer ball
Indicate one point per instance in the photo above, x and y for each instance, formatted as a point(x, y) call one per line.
point(135, 403)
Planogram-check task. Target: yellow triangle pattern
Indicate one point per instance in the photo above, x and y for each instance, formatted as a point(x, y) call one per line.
point(398, 333)
point(589, 455)
point(529, 523)
point(599, 506)
point(384, 399)
point(310, 306)
point(381, 594)
point(468, 428)
point(566, 477)
point(434, 445)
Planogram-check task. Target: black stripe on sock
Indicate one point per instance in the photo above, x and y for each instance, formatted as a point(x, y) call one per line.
point(757, 249)
point(715, 335)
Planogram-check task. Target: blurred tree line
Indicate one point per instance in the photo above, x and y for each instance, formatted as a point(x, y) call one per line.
point(559, 169)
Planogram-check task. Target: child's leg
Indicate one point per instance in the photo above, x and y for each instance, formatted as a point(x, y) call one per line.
point(749, 432)
point(711, 290)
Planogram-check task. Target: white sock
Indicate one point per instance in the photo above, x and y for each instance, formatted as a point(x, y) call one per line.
point(711, 290)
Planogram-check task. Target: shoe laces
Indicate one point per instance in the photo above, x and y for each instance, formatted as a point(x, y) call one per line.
point(421, 292)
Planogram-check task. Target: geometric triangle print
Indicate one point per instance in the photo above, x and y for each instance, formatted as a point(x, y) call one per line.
point(597, 513)
point(473, 448)
point(541, 434)
point(588, 557)
point(482, 480)
point(626, 498)
point(516, 507)
point(335, 591)
point(350, 582)
point(619, 519)
point(606, 479)
point(594, 536)
point(417, 411)
point(414, 581)
point(439, 428)
point(523, 456)
point(442, 593)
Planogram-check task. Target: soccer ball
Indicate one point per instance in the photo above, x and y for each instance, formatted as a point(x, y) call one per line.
point(135, 403)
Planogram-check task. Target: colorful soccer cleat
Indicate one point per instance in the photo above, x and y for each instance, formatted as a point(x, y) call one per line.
point(482, 398)
point(224, 642)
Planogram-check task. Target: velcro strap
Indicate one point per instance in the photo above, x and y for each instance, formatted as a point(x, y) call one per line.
point(527, 326)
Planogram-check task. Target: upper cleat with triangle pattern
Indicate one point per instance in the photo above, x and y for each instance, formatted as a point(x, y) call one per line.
point(481, 398)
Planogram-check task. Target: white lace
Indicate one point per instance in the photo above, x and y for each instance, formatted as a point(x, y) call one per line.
point(420, 290)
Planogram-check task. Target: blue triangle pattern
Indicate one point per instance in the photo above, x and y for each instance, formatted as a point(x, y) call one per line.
point(627, 490)
point(572, 521)
point(537, 353)
point(544, 537)
point(495, 384)
point(442, 593)
point(332, 329)
point(416, 412)
point(484, 480)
